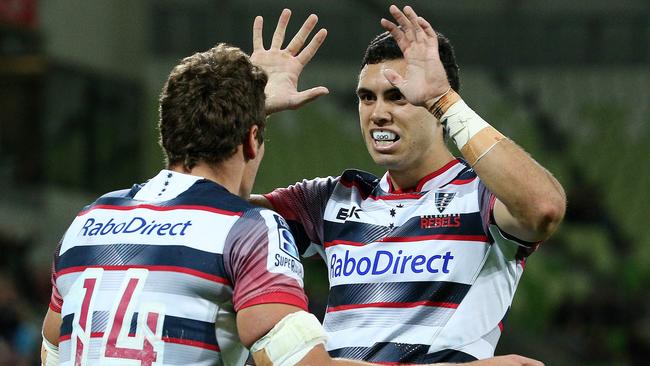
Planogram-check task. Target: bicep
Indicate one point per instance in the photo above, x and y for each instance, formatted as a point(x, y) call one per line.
point(52, 326)
point(255, 321)
point(510, 225)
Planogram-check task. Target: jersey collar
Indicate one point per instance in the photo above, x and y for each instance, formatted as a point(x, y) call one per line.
point(165, 186)
point(429, 182)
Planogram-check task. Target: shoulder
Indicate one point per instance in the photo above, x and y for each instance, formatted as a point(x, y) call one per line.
point(362, 180)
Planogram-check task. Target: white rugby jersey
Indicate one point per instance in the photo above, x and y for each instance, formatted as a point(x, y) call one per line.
point(416, 277)
point(154, 275)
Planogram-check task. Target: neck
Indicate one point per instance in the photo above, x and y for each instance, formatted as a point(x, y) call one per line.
point(409, 178)
point(228, 173)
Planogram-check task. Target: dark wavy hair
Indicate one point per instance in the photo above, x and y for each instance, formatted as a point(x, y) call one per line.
point(208, 104)
point(384, 47)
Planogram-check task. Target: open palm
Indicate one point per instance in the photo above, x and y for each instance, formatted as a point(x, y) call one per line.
point(284, 66)
point(425, 78)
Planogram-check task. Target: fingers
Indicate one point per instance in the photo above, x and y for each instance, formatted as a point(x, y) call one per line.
point(428, 29)
point(308, 52)
point(308, 95)
point(258, 25)
point(393, 77)
point(278, 35)
point(413, 27)
point(397, 33)
point(400, 18)
point(299, 39)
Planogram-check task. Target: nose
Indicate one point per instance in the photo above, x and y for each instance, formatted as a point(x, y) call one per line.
point(380, 113)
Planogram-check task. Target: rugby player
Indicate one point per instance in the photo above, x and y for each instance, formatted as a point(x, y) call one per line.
point(423, 262)
point(182, 269)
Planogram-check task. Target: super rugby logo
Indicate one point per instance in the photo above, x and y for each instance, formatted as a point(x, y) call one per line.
point(287, 246)
point(286, 242)
point(443, 200)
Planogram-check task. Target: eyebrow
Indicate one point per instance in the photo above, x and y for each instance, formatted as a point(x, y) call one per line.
point(364, 91)
point(387, 91)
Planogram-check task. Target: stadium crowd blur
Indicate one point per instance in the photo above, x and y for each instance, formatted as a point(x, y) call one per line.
point(569, 81)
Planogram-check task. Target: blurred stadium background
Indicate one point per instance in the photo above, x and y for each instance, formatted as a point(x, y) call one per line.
point(567, 80)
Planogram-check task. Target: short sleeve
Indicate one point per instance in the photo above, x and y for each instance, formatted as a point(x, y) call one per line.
point(56, 300)
point(262, 261)
point(487, 201)
point(303, 205)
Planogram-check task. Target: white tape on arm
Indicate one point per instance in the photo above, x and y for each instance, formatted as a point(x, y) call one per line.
point(51, 354)
point(462, 123)
point(289, 340)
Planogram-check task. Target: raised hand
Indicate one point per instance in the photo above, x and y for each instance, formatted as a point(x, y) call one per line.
point(284, 66)
point(425, 79)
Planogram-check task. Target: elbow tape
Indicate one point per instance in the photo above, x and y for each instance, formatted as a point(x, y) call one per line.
point(289, 340)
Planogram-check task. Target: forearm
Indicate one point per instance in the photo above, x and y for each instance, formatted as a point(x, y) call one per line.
point(530, 193)
point(533, 200)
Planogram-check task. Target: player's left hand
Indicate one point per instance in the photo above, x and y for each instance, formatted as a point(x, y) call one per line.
point(425, 79)
point(284, 66)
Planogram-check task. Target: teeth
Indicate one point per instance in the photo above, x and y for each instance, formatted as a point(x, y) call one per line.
point(382, 135)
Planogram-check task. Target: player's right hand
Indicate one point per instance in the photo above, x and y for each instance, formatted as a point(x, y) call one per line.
point(284, 66)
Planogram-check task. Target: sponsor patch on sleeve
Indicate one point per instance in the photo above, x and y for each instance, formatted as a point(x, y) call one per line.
point(283, 256)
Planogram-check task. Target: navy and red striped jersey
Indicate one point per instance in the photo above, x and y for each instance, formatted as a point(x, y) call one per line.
point(154, 275)
point(415, 276)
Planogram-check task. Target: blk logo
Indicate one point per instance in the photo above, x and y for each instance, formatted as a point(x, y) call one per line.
point(346, 213)
point(443, 199)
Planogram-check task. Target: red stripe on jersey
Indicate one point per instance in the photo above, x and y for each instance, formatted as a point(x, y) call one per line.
point(501, 326)
point(55, 308)
point(183, 341)
point(427, 178)
point(275, 298)
point(342, 242)
point(189, 342)
point(176, 269)
point(389, 197)
point(161, 208)
point(393, 305)
point(392, 197)
point(478, 238)
point(459, 182)
point(420, 186)
point(400, 239)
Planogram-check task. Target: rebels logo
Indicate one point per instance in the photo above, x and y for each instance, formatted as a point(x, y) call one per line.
point(437, 221)
point(443, 200)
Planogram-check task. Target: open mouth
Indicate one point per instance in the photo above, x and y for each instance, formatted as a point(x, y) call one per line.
point(384, 137)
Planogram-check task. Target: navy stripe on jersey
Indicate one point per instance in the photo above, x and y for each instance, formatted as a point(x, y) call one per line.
point(364, 181)
point(175, 330)
point(133, 255)
point(201, 193)
point(388, 352)
point(468, 226)
point(396, 294)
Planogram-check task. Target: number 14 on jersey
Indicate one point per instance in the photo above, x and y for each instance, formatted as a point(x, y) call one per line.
point(118, 345)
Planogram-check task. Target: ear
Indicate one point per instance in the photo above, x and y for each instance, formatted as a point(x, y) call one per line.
point(251, 146)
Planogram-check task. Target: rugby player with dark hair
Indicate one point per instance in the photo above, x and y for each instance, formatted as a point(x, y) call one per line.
point(423, 262)
point(182, 269)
